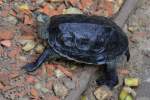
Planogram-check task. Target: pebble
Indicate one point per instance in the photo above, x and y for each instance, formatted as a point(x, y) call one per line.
point(39, 48)
point(58, 73)
point(72, 10)
point(38, 86)
point(29, 46)
point(102, 93)
point(60, 90)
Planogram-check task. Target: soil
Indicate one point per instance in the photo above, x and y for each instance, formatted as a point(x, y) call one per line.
point(15, 85)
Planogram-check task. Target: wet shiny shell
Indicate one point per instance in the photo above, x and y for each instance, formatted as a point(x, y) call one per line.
point(87, 39)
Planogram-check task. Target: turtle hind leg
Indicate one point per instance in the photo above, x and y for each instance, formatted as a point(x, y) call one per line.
point(48, 53)
point(111, 77)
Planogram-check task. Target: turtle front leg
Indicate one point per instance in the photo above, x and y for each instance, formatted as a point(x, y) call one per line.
point(111, 77)
point(35, 65)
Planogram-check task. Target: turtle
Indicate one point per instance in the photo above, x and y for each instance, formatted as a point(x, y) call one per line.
point(92, 40)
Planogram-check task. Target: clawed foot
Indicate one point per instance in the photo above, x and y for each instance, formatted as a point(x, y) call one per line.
point(30, 67)
point(109, 83)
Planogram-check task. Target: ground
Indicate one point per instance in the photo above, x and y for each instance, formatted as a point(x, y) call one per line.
point(19, 45)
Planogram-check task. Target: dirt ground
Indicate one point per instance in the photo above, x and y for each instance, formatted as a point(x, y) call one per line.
point(53, 81)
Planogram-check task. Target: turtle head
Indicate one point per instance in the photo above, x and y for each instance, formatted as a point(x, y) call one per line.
point(43, 22)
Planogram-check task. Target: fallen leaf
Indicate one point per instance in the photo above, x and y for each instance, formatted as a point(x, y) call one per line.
point(34, 93)
point(74, 2)
point(1, 86)
point(109, 7)
point(123, 71)
point(14, 52)
point(13, 13)
point(30, 79)
point(6, 43)
point(49, 69)
point(28, 20)
point(24, 8)
point(86, 3)
point(45, 9)
point(49, 11)
point(6, 34)
point(27, 37)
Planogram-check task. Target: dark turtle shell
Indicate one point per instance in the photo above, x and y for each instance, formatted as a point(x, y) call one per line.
point(86, 39)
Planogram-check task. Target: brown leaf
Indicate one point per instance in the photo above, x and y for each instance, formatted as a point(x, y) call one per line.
point(49, 11)
point(31, 79)
point(123, 71)
point(6, 34)
point(28, 20)
point(86, 3)
point(34, 93)
point(27, 37)
point(109, 7)
point(73, 2)
point(6, 43)
point(49, 69)
point(14, 52)
point(1, 86)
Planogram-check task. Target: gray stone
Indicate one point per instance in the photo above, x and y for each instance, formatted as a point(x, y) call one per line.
point(60, 90)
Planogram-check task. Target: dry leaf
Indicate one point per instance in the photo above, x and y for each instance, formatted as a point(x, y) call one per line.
point(1, 86)
point(109, 7)
point(6, 43)
point(31, 79)
point(28, 20)
point(24, 8)
point(34, 93)
point(6, 34)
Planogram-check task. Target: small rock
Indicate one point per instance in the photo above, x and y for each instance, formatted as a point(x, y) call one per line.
point(102, 93)
point(39, 48)
point(39, 1)
point(132, 29)
point(38, 86)
point(44, 90)
point(69, 84)
point(117, 5)
point(72, 10)
point(29, 46)
point(60, 89)
point(59, 74)
point(11, 19)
